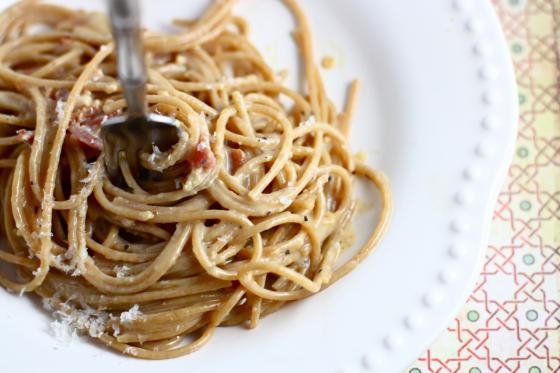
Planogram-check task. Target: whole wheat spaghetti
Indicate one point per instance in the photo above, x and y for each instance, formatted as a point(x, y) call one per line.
point(251, 211)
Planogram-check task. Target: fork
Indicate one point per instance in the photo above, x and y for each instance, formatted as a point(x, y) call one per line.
point(137, 130)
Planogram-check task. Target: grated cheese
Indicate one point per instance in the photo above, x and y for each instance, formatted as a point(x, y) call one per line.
point(70, 321)
point(223, 239)
point(63, 332)
point(97, 75)
point(92, 173)
point(309, 121)
point(121, 271)
point(285, 200)
point(68, 262)
point(58, 261)
point(132, 314)
point(47, 304)
point(116, 326)
point(178, 183)
point(131, 351)
point(59, 110)
point(156, 153)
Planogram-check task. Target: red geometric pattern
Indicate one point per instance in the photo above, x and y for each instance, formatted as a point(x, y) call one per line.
point(511, 321)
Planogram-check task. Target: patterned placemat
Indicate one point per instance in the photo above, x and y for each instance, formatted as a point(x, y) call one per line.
point(511, 322)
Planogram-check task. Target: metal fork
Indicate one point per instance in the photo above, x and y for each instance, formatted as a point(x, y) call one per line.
point(138, 130)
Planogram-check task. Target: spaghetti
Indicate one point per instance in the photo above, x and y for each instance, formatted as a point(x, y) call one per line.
point(251, 211)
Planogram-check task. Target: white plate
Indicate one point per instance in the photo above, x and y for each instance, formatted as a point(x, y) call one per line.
point(437, 114)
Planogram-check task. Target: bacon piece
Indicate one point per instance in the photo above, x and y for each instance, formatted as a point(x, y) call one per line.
point(237, 157)
point(84, 127)
point(201, 156)
point(85, 137)
point(88, 116)
point(25, 135)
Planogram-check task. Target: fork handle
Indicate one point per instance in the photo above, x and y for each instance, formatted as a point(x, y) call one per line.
point(131, 66)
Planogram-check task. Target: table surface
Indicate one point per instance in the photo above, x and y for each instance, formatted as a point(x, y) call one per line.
point(511, 321)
